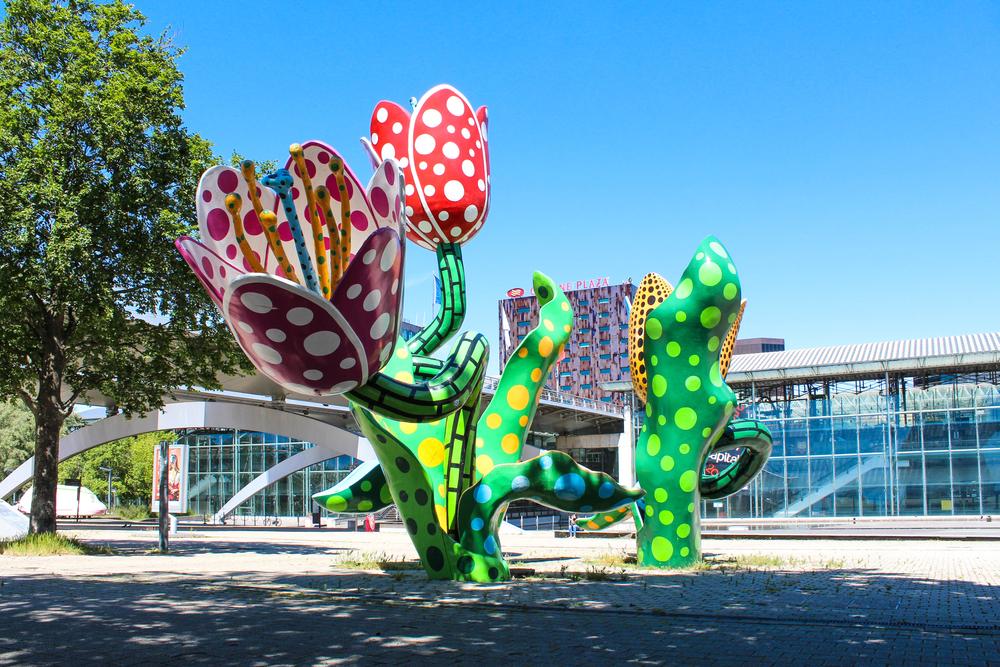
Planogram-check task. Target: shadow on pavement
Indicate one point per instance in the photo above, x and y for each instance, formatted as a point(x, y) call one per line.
point(776, 616)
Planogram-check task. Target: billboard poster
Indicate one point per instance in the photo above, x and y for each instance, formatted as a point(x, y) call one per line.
point(177, 478)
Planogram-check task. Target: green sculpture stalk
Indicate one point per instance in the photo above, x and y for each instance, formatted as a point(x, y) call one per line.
point(681, 344)
point(688, 404)
point(450, 470)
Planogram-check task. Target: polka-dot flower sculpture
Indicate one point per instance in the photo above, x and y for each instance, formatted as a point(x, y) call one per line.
point(277, 257)
point(442, 148)
point(680, 346)
point(452, 478)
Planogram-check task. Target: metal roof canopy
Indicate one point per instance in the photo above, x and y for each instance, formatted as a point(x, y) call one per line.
point(869, 360)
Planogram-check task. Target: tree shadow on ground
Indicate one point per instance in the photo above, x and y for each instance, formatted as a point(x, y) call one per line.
point(193, 546)
point(847, 615)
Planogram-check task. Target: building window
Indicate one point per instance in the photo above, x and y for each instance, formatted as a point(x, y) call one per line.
point(566, 387)
point(524, 323)
point(583, 345)
point(585, 371)
point(524, 309)
point(603, 315)
point(583, 302)
point(520, 337)
point(605, 356)
point(604, 299)
point(605, 399)
point(606, 341)
point(605, 371)
point(585, 330)
point(625, 369)
point(584, 316)
point(585, 357)
point(586, 386)
point(566, 374)
point(605, 329)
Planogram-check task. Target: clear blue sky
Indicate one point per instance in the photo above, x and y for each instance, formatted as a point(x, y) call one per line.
point(848, 154)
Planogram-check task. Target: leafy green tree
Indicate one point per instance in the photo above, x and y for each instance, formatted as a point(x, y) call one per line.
point(17, 436)
point(97, 178)
point(131, 463)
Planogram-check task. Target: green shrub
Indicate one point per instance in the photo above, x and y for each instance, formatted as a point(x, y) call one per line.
point(49, 544)
point(133, 512)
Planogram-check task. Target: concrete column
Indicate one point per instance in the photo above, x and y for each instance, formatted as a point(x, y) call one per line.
point(626, 453)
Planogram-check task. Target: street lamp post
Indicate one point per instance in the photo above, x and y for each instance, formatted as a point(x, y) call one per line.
point(108, 470)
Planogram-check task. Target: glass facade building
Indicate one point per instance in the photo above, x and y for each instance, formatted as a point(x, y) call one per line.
point(903, 446)
point(221, 462)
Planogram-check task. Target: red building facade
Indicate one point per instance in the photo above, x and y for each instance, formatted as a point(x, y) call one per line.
point(597, 351)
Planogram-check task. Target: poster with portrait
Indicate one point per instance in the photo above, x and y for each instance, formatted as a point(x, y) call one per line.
point(177, 478)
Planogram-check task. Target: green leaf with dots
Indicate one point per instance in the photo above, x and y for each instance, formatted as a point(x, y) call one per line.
point(365, 489)
point(505, 421)
point(552, 479)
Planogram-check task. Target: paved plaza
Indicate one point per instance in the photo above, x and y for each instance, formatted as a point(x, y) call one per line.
point(300, 596)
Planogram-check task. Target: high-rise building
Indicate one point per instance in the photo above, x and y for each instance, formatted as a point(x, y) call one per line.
point(597, 351)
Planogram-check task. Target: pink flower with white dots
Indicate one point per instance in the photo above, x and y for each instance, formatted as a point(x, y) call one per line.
point(443, 150)
point(304, 342)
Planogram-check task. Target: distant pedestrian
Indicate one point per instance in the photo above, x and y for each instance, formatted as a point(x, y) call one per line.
point(572, 525)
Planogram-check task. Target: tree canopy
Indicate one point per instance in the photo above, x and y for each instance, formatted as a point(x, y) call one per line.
point(17, 436)
point(131, 463)
point(97, 178)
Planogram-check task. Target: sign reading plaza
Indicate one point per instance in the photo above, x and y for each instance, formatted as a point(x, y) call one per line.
point(604, 281)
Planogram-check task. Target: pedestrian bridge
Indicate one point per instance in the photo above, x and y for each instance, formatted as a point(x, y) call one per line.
point(254, 403)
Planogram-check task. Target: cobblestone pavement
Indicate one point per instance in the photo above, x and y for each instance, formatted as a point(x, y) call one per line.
point(287, 597)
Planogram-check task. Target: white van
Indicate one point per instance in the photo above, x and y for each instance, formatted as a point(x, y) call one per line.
point(90, 504)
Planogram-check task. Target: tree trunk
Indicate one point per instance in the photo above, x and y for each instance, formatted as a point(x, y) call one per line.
point(49, 419)
point(48, 424)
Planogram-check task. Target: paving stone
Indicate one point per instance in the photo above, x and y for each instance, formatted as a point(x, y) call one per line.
point(277, 597)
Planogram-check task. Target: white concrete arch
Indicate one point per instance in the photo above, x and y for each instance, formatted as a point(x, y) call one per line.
point(203, 414)
point(276, 473)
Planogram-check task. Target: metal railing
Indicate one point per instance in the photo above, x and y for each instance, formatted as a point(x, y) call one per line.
point(490, 384)
point(536, 522)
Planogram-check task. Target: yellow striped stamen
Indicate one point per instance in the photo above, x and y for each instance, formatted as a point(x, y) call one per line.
point(336, 270)
point(319, 239)
point(234, 204)
point(337, 167)
point(268, 220)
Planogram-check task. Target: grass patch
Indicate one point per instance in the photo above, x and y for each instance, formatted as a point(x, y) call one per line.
point(375, 560)
point(133, 512)
point(612, 559)
point(50, 544)
point(754, 562)
point(700, 565)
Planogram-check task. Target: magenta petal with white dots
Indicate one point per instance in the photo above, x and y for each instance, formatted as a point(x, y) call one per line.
point(293, 336)
point(366, 210)
point(309, 345)
point(214, 272)
point(215, 225)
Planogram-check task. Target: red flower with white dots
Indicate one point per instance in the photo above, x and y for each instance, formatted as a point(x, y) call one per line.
point(304, 342)
point(443, 150)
